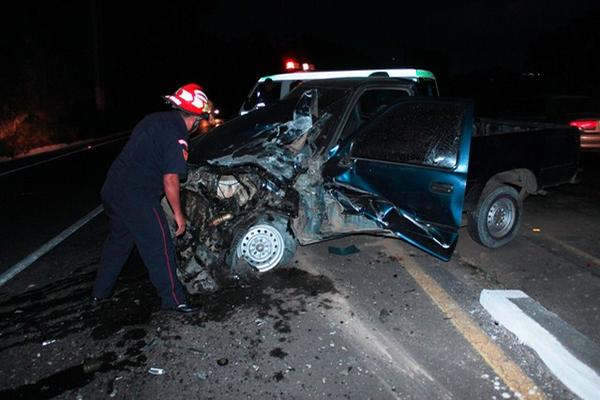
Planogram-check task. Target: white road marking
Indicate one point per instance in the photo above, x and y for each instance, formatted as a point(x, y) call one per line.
point(506, 369)
point(30, 259)
point(574, 374)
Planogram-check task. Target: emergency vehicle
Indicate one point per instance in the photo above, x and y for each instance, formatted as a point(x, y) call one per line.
point(282, 84)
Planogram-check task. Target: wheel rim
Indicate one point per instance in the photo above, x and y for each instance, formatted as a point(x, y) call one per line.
point(262, 247)
point(501, 217)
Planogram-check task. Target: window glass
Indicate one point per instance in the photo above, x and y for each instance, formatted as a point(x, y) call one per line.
point(426, 87)
point(370, 104)
point(425, 133)
point(331, 108)
point(329, 104)
point(265, 93)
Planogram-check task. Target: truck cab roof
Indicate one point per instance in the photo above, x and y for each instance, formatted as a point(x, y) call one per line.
point(356, 73)
point(271, 88)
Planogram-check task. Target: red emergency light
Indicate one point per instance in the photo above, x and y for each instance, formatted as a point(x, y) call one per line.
point(585, 124)
point(292, 65)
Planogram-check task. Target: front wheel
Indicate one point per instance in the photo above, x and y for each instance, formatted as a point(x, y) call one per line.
point(496, 220)
point(264, 245)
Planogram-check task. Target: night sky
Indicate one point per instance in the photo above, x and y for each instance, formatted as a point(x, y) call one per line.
point(146, 50)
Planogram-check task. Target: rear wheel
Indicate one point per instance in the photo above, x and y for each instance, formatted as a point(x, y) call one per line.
point(496, 220)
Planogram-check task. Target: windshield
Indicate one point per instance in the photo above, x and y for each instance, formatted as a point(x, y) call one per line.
point(327, 105)
point(427, 87)
point(264, 94)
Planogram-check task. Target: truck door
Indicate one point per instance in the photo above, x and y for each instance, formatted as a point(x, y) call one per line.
point(406, 170)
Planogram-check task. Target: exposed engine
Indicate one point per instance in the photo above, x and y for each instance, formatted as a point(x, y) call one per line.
point(248, 208)
point(218, 204)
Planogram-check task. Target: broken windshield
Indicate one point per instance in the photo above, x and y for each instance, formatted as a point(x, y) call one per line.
point(324, 105)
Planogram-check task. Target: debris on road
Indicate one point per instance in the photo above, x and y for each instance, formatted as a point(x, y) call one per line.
point(343, 251)
point(156, 371)
point(536, 230)
point(112, 391)
point(149, 345)
point(47, 342)
point(92, 364)
point(201, 375)
point(384, 315)
point(222, 361)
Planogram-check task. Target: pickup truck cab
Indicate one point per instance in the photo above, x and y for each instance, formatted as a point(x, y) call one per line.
point(275, 87)
point(359, 156)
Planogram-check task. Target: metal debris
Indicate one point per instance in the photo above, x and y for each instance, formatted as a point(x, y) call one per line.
point(156, 371)
point(92, 364)
point(112, 391)
point(343, 251)
point(47, 342)
point(149, 345)
point(201, 375)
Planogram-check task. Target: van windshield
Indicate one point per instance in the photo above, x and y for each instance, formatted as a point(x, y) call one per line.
point(263, 94)
point(427, 87)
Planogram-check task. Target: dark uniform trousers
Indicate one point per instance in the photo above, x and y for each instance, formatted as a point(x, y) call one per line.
point(136, 220)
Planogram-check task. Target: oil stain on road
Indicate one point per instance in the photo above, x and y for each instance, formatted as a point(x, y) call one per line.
point(120, 328)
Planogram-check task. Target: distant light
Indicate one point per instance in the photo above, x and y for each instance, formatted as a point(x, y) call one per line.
point(291, 64)
point(532, 74)
point(217, 111)
point(585, 124)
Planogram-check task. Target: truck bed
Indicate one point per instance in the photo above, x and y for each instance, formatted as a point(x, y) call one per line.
point(550, 152)
point(489, 127)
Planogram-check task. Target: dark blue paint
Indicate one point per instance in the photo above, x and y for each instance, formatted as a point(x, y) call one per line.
point(400, 196)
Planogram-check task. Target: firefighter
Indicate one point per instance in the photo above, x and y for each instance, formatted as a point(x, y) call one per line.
point(150, 165)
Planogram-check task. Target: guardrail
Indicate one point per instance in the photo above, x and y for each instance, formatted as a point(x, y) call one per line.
point(22, 163)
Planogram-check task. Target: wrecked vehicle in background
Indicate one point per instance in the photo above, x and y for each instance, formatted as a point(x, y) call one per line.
point(348, 156)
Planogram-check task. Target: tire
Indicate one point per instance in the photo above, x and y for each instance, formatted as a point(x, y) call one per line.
point(497, 218)
point(264, 245)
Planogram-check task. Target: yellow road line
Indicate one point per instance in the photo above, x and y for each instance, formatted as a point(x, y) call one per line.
point(512, 375)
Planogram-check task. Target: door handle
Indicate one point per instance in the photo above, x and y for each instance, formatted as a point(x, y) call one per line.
point(441, 187)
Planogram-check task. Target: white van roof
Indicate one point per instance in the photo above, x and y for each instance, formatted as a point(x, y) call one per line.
point(355, 73)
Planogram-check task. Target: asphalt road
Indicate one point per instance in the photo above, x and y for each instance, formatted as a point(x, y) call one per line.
point(387, 322)
point(38, 202)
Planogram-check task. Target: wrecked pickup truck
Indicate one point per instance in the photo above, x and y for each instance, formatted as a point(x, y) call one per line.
point(348, 156)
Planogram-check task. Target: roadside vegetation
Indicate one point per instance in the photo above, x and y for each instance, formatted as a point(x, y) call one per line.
point(21, 132)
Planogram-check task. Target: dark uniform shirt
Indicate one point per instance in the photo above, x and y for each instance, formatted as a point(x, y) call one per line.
point(157, 146)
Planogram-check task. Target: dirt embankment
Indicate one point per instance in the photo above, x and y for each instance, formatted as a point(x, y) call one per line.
point(20, 133)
